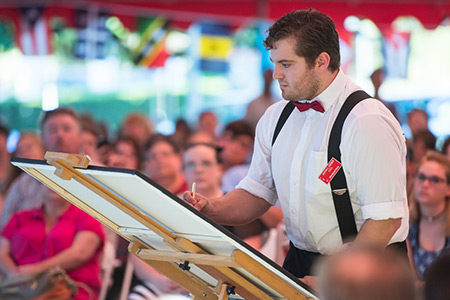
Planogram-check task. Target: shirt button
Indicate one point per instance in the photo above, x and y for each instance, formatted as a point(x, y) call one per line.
point(292, 211)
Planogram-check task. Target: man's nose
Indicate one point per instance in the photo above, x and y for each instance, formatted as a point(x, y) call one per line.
point(277, 73)
point(59, 133)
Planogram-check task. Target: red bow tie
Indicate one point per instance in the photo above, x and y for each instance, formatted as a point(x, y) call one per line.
point(303, 106)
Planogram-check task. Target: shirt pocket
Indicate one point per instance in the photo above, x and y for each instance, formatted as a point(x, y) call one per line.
point(314, 166)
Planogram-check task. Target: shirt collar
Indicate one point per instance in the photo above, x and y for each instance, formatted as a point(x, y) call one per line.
point(333, 91)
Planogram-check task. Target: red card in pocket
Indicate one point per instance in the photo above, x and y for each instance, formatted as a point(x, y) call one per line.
point(330, 170)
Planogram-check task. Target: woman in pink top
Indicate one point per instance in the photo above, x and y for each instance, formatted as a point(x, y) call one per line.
point(57, 234)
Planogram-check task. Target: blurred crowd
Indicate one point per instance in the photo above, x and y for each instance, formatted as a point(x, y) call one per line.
point(39, 229)
point(70, 238)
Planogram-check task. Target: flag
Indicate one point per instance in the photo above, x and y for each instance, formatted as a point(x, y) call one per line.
point(151, 51)
point(33, 31)
point(215, 45)
point(93, 36)
point(396, 52)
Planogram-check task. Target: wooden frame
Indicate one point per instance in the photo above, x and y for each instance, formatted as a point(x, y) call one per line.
point(200, 255)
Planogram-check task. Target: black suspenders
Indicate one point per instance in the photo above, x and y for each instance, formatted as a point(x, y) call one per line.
point(283, 118)
point(338, 184)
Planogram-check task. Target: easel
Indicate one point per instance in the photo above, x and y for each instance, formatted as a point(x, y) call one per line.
point(231, 272)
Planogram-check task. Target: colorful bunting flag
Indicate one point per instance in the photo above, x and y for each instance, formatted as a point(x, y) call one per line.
point(150, 51)
point(215, 46)
point(396, 52)
point(33, 31)
point(93, 36)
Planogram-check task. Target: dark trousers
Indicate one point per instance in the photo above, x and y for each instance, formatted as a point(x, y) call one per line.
point(299, 262)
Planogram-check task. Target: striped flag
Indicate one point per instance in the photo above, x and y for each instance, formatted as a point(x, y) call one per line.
point(215, 45)
point(396, 52)
point(93, 36)
point(34, 32)
point(150, 51)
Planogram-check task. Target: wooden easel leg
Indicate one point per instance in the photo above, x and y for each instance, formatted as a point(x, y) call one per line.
point(225, 291)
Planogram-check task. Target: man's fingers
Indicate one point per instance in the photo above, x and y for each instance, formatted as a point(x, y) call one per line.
point(198, 202)
point(187, 196)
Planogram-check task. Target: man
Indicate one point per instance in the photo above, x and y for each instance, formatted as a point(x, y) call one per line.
point(366, 273)
point(137, 126)
point(304, 47)
point(61, 132)
point(164, 164)
point(417, 120)
point(377, 78)
point(236, 146)
point(207, 122)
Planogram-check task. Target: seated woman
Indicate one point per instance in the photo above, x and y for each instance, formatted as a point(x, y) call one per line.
point(163, 163)
point(56, 234)
point(429, 233)
point(125, 154)
point(202, 164)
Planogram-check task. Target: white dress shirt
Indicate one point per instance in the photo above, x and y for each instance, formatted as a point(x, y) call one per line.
point(373, 151)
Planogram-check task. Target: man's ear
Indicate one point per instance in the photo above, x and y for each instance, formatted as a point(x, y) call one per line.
point(323, 61)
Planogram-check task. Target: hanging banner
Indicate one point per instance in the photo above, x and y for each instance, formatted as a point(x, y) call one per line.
point(93, 36)
point(396, 53)
point(33, 31)
point(151, 51)
point(215, 45)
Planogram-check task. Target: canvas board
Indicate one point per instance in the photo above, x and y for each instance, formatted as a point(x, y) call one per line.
point(161, 206)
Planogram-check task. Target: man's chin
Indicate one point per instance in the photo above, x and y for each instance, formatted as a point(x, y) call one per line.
point(287, 98)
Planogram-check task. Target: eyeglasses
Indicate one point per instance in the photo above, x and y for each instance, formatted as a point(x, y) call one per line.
point(204, 165)
point(432, 179)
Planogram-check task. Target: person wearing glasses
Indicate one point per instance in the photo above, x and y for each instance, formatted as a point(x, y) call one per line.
point(429, 234)
point(202, 164)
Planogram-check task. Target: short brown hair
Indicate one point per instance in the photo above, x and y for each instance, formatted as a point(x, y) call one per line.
point(313, 33)
point(59, 111)
point(209, 145)
point(239, 127)
point(156, 138)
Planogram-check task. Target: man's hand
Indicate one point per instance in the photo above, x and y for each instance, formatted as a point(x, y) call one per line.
point(198, 201)
point(238, 207)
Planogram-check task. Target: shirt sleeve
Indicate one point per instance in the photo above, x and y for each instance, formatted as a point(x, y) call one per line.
point(374, 154)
